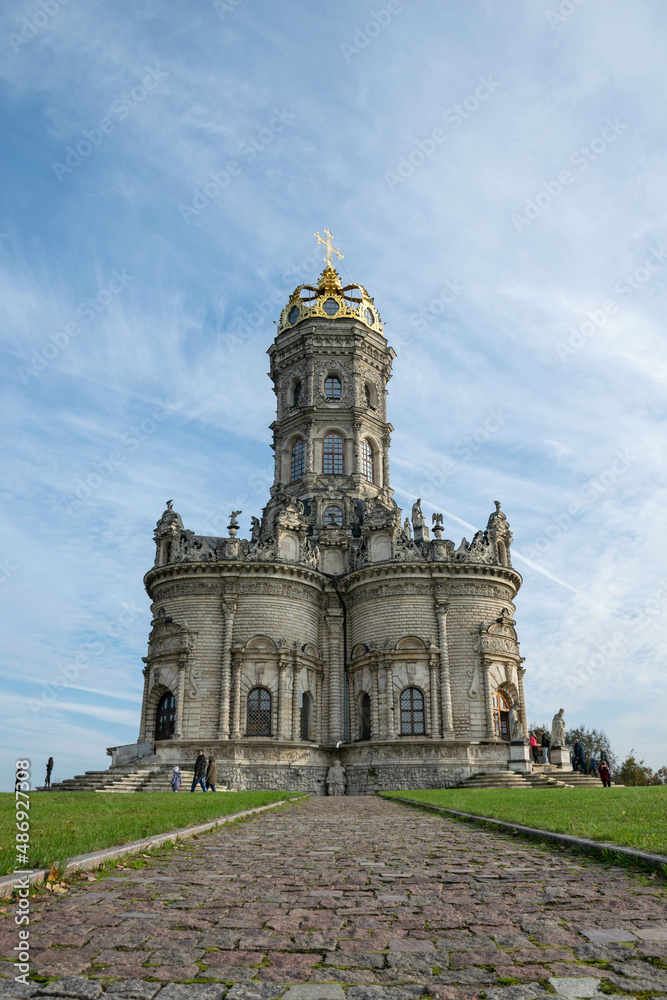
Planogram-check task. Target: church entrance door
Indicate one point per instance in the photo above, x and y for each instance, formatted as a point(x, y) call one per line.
point(501, 716)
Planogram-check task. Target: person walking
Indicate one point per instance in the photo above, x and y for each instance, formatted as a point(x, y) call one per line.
point(49, 768)
point(546, 743)
point(602, 756)
point(211, 773)
point(533, 746)
point(593, 767)
point(200, 772)
point(605, 774)
point(579, 757)
point(176, 779)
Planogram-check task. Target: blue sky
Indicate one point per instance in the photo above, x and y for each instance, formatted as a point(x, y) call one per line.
point(495, 175)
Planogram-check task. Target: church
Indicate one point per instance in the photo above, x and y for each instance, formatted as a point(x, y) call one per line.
point(339, 631)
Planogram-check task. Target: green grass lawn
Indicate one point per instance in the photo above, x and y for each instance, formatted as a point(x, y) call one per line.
point(63, 824)
point(630, 817)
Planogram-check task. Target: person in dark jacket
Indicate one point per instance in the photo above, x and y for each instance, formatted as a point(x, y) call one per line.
point(49, 768)
point(200, 772)
point(579, 757)
point(546, 743)
point(605, 774)
point(211, 773)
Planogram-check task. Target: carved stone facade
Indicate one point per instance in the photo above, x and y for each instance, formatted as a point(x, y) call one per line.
point(338, 630)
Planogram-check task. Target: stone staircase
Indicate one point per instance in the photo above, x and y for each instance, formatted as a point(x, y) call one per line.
point(573, 778)
point(510, 779)
point(125, 779)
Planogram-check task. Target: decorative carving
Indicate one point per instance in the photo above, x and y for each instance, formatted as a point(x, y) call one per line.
point(473, 688)
point(195, 690)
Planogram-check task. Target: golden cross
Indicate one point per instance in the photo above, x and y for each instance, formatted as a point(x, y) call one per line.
point(327, 244)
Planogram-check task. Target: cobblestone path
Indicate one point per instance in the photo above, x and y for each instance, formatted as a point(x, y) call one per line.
point(353, 897)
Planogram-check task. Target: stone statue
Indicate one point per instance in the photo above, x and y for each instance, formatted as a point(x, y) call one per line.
point(254, 528)
point(558, 729)
point(407, 531)
point(417, 516)
point(517, 734)
point(336, 780)
point(170, 504)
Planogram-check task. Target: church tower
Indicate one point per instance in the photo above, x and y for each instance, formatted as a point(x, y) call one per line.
point(337, 629)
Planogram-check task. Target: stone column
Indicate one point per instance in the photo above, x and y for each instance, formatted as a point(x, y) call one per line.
point(392, 720)
point(446, 720)
point(486, 666)
point(180, 699)
point(375, 703)
point(436, 728)
point(386, 441)
point(319, 720)
point(310, 382)
point(357, 447)
point(281, 728)
point(336, 676)
point(296, 714)
point(522, 700)
point(143, 728)
point(228, 610)
point(237, 670)
point(310, 460)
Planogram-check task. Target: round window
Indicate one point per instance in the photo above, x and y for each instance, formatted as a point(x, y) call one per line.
point(331, 307)
point(293, 314)
point(370, 318)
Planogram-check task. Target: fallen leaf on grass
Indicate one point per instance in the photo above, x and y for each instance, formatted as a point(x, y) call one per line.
point(53, 874)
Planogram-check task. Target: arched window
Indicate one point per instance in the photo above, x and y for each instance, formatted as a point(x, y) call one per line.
point(332, 387)
point(502, 553)
point(296, 393)
point(165, 717)
point(365, 717)
point(333, 515)
point(259, 712)
point(298, 459)
point(367, 464)
point(306, 717)
point(501, 716)
point(332, 455)
point(412, 712)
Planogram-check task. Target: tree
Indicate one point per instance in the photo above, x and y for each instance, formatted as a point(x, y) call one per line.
point(593, 740)
point(636, 772)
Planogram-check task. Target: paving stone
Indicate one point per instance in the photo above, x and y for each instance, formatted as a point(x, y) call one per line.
point(315, 991)
point(192, 991)
point(651, 933)
point(515, 993)
point(71, 986)
point(385, 992)
point(11, 990)
point(600, 935)
point(326, 921)
point(575, 988)
point(254, 991)
point(133, 989)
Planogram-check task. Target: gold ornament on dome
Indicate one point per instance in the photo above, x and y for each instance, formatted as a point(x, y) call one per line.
point(330, 299)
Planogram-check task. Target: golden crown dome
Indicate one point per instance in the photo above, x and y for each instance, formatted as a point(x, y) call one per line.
point(330, 299)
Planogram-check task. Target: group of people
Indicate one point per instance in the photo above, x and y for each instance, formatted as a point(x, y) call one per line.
point(598, 766)
point(206, 774)
point(542, 744)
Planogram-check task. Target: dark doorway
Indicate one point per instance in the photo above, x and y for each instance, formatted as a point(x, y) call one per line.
point(165, 717)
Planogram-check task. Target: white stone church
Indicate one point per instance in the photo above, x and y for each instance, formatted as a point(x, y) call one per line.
point(338, 630)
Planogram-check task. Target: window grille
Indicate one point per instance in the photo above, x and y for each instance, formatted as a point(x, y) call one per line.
point(259, 712)
point(332, 455)
point(412, 712)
